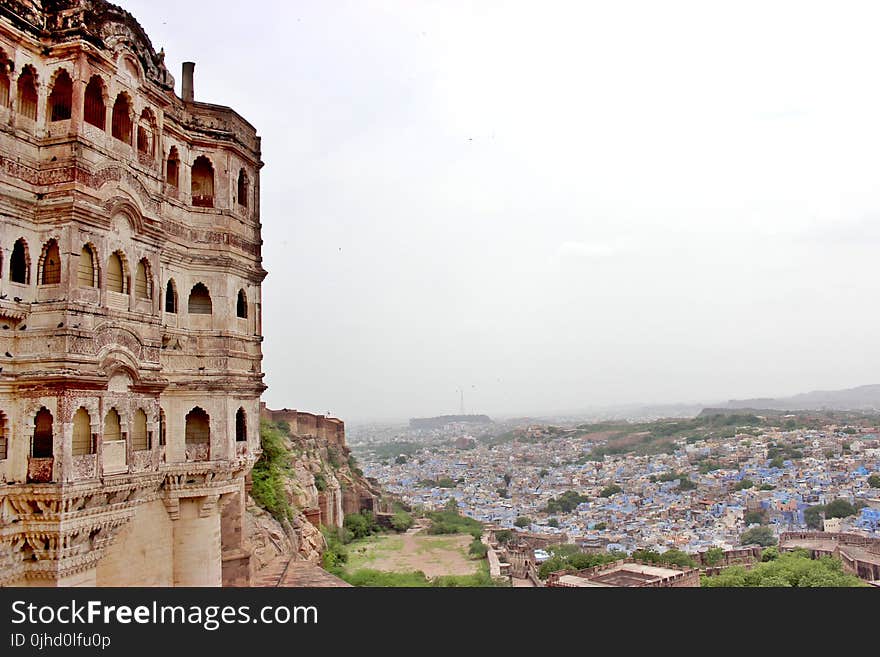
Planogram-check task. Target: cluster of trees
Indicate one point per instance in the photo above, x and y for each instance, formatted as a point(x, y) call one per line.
point(569, 557)
point(610, 490)
point(790, 569)
point(762, 536)
point(673, 557)
point(504, 536)
point(707, 466)
point(743, 484)
point(359, 525)
point(565, 502)
point(839, 508)
point(874, 481)
point(778, 454)
point(450, 521)
point(755, 518)
point(442, 482)
point(713, 556)
point(401, 521)
point(478, 549)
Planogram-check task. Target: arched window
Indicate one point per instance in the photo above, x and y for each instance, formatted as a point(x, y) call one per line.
point(241, 305)
point(242, 188)
point(4, 80)
point(121, 126)
point(94, 110)
point(41, 445)
point(170, 297)
point(199, 300)
point(116, 278)
point(172, 173)
point(139, 438)
point(61, 98)
point(240, 426)
point(4, 436)
point(203, 183)
point(112, 426)
point(87, 273)
point(50, 265)
point(143, 282)
point(145, 132)
point(27, 93)
point(82, 433)
point(198, 427)
point(20, 263)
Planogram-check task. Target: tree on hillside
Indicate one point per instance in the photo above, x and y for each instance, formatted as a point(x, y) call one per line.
point(673, 557)
point(401, 521)
point(874, 481)
point(755, 518)
point(839, 508)
point(503, 536)
point(553, 522)
point(608, 491)
point(713, 556)
point(762, 535)
point(813, 516)
point(522, 521)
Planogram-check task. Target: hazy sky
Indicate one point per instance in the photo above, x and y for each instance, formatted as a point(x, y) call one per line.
point(555, 205)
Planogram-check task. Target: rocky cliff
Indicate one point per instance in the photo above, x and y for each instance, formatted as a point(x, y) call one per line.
point(305, 478)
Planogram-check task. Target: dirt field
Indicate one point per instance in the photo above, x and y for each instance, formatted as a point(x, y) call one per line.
point(433, 555)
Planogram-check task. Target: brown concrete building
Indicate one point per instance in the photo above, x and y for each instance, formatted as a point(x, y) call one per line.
point(130, 272)
point(628, 573)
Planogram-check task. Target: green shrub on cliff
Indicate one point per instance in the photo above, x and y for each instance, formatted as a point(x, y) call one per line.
point(361, 524)
point(401, 521)
point(450, 521)
point(269, 473)
point(335, 555)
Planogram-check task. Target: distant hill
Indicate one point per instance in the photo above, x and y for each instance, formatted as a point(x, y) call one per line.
point(443, 420)
point(862, 398)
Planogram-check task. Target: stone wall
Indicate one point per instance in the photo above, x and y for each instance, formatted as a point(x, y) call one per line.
point(143, 553)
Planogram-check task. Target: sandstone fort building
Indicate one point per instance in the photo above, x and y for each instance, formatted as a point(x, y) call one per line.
point(130, 337)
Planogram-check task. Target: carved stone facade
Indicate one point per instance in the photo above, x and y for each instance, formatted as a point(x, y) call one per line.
point(130, 334)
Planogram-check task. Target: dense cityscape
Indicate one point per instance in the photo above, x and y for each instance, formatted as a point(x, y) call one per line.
point(700, 492)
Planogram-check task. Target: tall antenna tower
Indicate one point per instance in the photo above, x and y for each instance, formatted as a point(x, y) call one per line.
point(461, 408)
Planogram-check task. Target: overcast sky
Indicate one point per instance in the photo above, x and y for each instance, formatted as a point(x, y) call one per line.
point(554, 205)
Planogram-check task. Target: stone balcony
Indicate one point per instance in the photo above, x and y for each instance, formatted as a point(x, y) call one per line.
point(40, 470)
point(85, 466)
point(198, 452)
point(114, 457)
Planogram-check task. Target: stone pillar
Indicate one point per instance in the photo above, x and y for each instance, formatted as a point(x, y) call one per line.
point(77, 108)
point(197, 543)
point(236, 559)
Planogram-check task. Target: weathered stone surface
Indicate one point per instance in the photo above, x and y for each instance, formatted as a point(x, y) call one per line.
point(319, 484)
